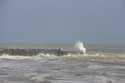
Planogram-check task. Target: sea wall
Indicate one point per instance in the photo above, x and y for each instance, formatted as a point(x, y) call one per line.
point(31, 52)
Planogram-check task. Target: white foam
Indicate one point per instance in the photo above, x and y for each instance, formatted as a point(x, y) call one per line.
point(6, 56)
point(35, 57)
point(37, 77)
point(79, 45)
point(42, 55)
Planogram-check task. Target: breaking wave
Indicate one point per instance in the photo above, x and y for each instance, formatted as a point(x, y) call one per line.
point(80, 53)
point(98, 57)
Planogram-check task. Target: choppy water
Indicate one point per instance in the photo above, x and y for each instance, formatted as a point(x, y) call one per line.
point(66, 69)
point(101, 65)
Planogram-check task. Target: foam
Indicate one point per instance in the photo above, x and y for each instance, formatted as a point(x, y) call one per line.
point(98, 57)
point(38, 77)
point(7, 56)
point(35, 57)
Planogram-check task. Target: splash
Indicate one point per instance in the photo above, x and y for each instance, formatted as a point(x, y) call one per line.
point(34, 57)
point(80, 47)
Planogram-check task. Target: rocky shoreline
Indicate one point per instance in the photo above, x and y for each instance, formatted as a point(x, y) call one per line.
point(56, 51)
point(31, 52)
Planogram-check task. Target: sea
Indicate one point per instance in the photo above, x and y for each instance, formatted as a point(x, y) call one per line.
point(101, 64)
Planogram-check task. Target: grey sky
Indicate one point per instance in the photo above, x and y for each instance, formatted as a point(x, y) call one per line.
point(62, 21)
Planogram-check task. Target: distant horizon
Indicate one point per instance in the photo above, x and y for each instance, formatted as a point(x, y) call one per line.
point(17, 44)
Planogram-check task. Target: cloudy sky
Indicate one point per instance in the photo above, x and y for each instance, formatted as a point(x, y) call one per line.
point(62, 21)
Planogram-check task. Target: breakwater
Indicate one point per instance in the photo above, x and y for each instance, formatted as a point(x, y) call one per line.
point(31, 52)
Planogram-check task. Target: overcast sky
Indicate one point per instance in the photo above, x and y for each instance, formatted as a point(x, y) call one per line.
point(62, 21)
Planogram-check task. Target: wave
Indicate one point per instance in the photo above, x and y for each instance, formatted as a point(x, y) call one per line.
point(98, 57)
point(104, 55)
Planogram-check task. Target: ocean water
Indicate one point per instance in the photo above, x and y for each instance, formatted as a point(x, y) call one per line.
point(102, 65)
